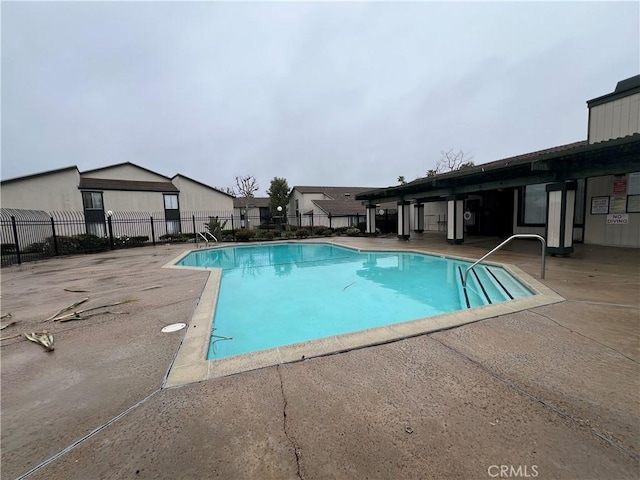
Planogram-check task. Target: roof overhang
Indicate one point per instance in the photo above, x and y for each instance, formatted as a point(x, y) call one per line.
point(612, 157)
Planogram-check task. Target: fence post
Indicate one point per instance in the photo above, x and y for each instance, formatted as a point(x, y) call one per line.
point(153, 232)
point(330, 220)
point(311, 222)
point(110, 231)
point(55, 237)
point(195, 234)
point(15, 238)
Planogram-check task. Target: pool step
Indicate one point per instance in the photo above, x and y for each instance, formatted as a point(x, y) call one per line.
point(488, 285)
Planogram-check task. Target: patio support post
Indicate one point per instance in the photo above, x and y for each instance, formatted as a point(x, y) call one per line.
point(418, 218)
point(455, 219)
point(371, 219)
point(561, 200)
point(404, 219)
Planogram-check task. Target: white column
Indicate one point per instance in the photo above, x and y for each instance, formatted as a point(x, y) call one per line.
point(561, 200)
point(371, 219)
point(455, 219)
point(404, 220)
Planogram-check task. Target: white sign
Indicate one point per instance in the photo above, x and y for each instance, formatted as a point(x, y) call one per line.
point(634, 184)
point(618, 219)
point(599, 205)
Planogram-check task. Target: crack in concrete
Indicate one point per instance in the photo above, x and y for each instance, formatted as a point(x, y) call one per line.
point(584, 336)
point(544, 403)
point(296, 449)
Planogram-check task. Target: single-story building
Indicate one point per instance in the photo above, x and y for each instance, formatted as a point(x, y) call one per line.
point(334, 207)
point(587, 191)
point(251, 212)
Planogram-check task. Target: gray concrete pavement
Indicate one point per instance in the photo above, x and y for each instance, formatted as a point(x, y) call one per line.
point(552, 390)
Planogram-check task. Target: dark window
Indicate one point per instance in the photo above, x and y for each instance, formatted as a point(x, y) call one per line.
point(92, 200)
point(172, 213)
point(534, 204)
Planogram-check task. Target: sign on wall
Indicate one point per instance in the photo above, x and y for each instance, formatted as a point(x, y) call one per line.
point(599, 205)
point(633, 203)
point(618, 204)
point(633, 188)
point(618, 219)
point(620, 185)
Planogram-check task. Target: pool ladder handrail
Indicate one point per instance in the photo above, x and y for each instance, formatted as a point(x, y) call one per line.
point(517, 235)
point(206, 239)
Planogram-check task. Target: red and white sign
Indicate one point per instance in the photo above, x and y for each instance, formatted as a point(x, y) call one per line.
point(620, 186)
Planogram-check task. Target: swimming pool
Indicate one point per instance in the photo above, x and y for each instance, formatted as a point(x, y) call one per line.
point(278, 294)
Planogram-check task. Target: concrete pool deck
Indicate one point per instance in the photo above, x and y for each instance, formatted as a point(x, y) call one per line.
point(550, 390)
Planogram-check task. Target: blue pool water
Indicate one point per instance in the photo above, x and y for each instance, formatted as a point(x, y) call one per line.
point(284, 293)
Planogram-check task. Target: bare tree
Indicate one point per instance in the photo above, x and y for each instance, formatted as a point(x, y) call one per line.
point(451, 161)
point(247, 186)
point(227, 190)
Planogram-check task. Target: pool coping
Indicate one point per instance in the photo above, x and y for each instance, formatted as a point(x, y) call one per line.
point(190, 364)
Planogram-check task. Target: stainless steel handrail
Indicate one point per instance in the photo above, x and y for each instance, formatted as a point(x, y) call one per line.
point(517, 235)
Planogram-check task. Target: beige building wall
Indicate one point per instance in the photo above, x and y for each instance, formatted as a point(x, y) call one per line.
point(304, 202)
point(598, 230)
point(126, 172)
point(615, 119)
point(197, 197)
point(57, 191)
point(124, 201)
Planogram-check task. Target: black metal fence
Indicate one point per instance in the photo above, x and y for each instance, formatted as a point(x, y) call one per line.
point(27, 235)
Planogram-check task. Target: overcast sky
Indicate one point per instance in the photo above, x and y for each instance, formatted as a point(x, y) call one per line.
point(346, 94)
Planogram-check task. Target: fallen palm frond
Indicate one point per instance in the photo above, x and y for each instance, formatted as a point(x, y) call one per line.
point(44, 338)
point(6, 315)
point(76, 315)
point(2, 327)
point(66, 309)
point(151, 288)
point(2, 339)
point(74, 290)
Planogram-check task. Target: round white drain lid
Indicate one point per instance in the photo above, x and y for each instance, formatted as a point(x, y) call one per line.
point(174, 327)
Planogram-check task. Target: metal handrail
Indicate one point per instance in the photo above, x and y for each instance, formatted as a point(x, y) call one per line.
point(517, 235)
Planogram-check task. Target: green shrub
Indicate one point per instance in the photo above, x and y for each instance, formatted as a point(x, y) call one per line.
point(176, 237)
point(8, 247)
point(259, 234)
point(319, 230)
point(231, 232)
point(289, 234)
point(244, 235)
point(39, 248)
point(270, 235)
point(353, 232)
point(66, 245)
point(92, 243)
point(302, 233)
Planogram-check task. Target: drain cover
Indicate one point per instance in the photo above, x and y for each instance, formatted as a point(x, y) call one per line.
point(174, 327)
